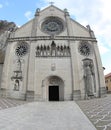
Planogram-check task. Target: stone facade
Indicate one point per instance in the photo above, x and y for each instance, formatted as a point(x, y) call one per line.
point(52, 57)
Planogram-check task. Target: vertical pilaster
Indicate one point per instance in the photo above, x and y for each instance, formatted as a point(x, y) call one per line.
point(101, 79)
point(1, 69)
point(35, 23)
point(6, 70)
point(31, 59)
point(74, 60)
point(100, 74)
point(75, 70)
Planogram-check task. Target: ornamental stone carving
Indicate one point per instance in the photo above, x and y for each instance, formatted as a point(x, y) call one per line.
point(21, 49)
point(84, 48)
point(52, 50)
point(52, 25)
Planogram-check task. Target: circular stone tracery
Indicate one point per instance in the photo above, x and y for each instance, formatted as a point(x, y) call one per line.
point(84, 49)
point(52, 26)
point(21, 49)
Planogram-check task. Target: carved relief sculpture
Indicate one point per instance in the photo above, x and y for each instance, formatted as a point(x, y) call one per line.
point(17, 77)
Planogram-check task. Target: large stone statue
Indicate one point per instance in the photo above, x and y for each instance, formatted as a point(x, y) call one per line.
point(89, 78)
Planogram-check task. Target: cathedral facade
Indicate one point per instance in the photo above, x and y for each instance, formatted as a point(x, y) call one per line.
point(51, 58)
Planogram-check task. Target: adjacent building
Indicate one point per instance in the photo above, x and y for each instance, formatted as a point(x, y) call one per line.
point(51, 58)
point(108, 82)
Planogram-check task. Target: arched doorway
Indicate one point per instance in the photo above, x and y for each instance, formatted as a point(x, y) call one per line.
point(53, 89)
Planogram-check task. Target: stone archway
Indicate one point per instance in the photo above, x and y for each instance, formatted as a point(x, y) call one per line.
point(53, 89)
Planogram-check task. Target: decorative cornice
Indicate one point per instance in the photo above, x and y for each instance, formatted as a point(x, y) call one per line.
point(38, 38)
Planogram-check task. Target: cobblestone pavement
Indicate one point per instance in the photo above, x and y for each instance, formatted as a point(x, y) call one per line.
point(7, 103)
point(98, 111)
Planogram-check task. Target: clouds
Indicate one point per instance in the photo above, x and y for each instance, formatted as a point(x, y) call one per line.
point(103, 49)
point(28, 15)
point(1, 6)
point(4, 4)
point(7, 3)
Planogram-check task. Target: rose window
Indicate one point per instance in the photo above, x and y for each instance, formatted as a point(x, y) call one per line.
point(21, 49)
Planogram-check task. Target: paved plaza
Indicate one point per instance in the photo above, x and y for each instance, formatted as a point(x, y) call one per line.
point(98, 111)
point(21, 115)
point(45, 116)
point(7, 103)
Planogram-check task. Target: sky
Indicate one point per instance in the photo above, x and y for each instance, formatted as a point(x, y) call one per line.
point(95, 13)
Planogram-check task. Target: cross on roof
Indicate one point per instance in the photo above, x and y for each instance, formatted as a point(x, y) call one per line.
point(51, 3)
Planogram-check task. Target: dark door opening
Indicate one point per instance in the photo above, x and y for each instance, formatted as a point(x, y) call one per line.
point(53, 93)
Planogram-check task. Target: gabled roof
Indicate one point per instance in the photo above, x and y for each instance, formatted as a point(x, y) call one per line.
point(108, 75)
point(63, 12)
point(53, 7)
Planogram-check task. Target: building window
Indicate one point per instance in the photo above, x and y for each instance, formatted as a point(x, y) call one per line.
point(21, 49)
point(107, 88)
point(106, 81)
point(85, 48)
